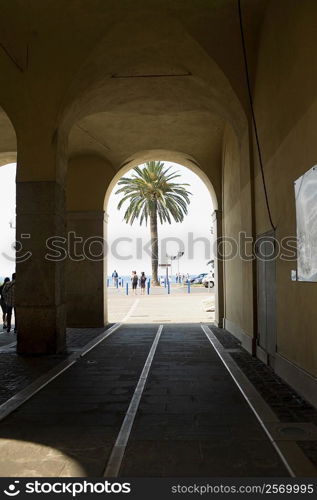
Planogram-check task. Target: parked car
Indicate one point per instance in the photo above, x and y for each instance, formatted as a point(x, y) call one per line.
point(209, 280)
point(162, 280)
point(198, 279)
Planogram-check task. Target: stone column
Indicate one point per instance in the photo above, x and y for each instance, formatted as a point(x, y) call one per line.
point(219, 297)
point(85, 280)
point(40, 300)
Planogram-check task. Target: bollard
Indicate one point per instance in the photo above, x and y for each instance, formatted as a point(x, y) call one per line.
point(188, 286)
point(164, 282)
point(107, 282)
point(122, 282)
point(168, 287)
point(148, 287)
point(127, 288)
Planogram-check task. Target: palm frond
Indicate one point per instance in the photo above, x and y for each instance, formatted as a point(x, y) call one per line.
point(150, 190)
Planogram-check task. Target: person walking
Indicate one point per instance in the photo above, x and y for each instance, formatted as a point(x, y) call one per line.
point(3, 304)
point(134, 280)
point(142, 283)
point(8, 292)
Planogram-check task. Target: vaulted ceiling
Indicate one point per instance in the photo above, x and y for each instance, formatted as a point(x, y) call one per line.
point(129, 75)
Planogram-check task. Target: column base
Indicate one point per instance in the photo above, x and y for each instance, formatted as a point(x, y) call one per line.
point(38, 333)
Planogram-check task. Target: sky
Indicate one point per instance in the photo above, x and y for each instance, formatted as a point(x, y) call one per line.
point(196, 224)
point(130, 254)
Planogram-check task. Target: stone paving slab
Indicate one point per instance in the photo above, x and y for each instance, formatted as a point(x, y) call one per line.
point(7, 338)
point(203, 458)
point(158, 307)
point(17, 372)
point(208, 431)
point(69, 428)
point(168, 382)
point(288, 406)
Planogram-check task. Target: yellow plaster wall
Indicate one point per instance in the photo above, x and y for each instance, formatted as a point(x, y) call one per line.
point(88, 177)
point(236, 219)
point(285, 99)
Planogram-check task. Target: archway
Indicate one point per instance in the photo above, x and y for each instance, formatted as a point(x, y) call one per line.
point(134, 238)
point(165, 156)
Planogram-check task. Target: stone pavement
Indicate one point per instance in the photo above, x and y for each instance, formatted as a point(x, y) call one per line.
point(192, 420)
point(288, 406)
point(7, 338)
point(178, 307)
point(189, 412)
point(17, 372)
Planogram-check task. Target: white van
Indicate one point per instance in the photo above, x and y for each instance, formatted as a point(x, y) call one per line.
point(209, 280)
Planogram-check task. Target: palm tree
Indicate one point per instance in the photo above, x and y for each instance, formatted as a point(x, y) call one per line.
point(152, 195)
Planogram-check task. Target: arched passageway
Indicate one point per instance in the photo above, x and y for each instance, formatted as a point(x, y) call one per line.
point(100, 117)
point(135, 80)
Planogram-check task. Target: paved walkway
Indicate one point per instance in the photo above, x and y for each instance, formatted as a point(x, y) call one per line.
point(7, 338)
point(17, 372)
point(192, 419)
point(178, 307)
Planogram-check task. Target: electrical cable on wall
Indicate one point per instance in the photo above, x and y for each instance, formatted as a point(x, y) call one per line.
point(253, 114)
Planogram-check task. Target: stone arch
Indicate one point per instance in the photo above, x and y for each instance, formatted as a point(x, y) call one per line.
point(163, 155)
point(190, 163)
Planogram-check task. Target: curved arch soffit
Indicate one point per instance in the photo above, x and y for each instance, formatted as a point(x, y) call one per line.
point(7, 158)
point(165, 156)
point(104, 75)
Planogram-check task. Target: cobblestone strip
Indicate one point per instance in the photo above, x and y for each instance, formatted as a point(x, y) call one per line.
point(36, 385)
point(287, 405)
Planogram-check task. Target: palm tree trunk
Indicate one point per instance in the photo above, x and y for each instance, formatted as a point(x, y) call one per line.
point(154, 247)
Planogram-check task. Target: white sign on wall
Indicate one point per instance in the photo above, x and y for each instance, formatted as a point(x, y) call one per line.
point(306, 218)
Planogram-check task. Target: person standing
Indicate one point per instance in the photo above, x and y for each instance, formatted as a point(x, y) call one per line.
point(134, 280)
point(3, 304)
point(142, 283)
point(9, 298)
point(115, 278)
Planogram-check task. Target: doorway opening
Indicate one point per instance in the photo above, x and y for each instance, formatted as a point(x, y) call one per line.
point(186, 288)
